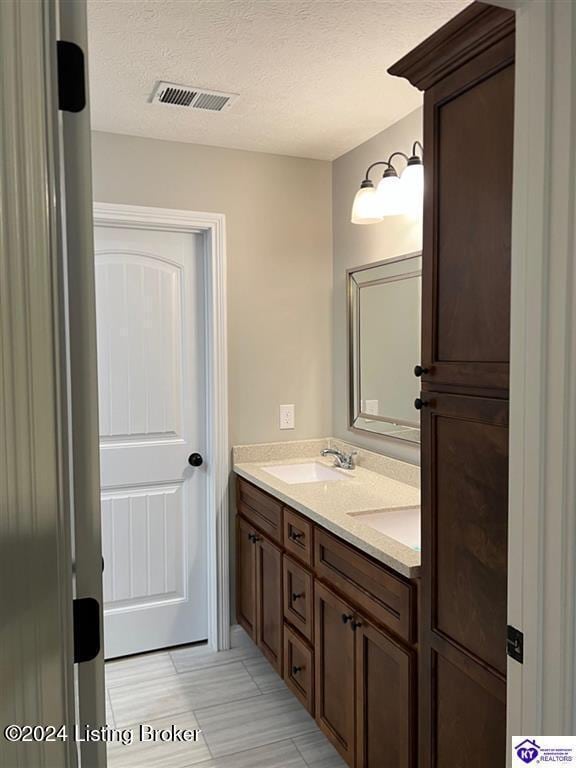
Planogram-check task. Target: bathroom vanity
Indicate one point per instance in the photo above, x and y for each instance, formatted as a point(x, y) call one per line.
point(327, 587)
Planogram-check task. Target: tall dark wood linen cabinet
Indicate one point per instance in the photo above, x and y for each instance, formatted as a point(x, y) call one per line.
point(466, 70)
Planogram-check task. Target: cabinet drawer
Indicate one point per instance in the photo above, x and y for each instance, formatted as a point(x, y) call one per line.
point(261, 509)
point(298, 597)
point(298, 536)
point(299, 668)
point(389, 599)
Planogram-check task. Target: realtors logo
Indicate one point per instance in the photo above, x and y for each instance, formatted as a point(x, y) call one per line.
point(548, 749)
point(527, 751)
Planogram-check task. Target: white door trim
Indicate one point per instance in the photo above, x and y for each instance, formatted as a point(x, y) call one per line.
point(37, 650)
point(212, 227)
point(542, 511)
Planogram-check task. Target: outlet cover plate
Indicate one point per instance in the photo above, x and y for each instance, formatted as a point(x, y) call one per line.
point(287, 417)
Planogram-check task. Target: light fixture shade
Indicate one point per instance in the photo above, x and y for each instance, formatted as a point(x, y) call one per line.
point(390, 195)
point(366, 206)
point(412, 182)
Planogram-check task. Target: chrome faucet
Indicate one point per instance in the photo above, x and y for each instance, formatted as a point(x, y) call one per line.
point(342, 460)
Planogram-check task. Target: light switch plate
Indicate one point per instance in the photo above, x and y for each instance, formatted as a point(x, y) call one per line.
point(287, 417)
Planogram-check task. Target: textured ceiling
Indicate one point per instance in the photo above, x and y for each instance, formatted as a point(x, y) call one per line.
point(311, 74)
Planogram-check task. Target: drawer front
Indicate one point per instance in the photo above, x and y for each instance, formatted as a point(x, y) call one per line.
point(298, 536)
point(261, 509)
point(389, 599)
point(299, 668)
point(298, 597)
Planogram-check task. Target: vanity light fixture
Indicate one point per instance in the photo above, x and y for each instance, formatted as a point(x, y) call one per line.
point(394, 194)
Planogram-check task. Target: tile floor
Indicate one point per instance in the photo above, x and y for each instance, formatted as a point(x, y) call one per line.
point(247, 716)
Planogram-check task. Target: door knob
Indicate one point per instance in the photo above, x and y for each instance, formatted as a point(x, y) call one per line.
point(195, 460)
point(418, 370)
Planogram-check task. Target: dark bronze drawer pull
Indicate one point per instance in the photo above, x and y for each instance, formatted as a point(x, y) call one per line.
point(346, 617)
point(295, 536)
point(295, 670)
point(297, 595)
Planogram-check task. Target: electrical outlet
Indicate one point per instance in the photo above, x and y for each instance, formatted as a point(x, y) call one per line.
point(287, 417)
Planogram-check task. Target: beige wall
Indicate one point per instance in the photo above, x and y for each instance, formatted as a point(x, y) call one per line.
point(354, 245)
point(278, 221)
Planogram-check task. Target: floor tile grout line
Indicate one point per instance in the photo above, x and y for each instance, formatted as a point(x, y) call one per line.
point(207, 666)
point(109, 700)
point(193, 711)
point(261, 746)
point(224, 703)
point(300, 753)
point(253, 678)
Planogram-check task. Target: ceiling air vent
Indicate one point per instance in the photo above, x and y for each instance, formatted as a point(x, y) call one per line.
point(193, 98)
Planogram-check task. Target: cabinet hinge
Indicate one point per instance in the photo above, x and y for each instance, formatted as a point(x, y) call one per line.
point(515, 644)
point(71, 77)
point(86, 615)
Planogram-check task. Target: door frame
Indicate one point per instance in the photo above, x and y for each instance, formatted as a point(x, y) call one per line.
point(542, 523)
point(212, 228)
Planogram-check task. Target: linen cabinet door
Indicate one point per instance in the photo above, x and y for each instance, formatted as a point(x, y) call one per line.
point(334, 662)
point(468, 136)
point(269, 619)
point(464, 580)
point(246, 576)
point(385, 701)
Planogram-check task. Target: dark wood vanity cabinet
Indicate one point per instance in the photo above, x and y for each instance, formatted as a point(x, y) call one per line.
point(386, 698)
point(246, 576)
point(340, 627)
point(335, 670)
point(466, 70)
point(259, 589)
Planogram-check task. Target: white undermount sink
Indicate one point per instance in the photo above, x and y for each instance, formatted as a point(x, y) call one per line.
point(400, 523)
point(309, 472)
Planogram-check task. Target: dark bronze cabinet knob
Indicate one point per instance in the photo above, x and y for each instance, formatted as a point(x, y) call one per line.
point(295, 670)
point(418, 370)
point(195, 460)
point(346, 617)
point(297, 595)
point(419, 403)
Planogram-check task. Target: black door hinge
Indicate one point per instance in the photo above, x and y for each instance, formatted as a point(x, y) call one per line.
point(515, 644)
point(71, 77)
point(86, 614)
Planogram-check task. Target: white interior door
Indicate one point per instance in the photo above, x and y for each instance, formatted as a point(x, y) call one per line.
point(152, 398)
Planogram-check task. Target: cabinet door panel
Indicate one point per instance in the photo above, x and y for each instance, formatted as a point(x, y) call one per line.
point(469, 708)
point(385, 701)
point(469, 131)
point(465, 521)
point(269, 601)
point(334, 661)
point(246, 577)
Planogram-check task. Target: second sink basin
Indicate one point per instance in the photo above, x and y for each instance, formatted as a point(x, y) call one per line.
point(402, 524)
point(310, 472)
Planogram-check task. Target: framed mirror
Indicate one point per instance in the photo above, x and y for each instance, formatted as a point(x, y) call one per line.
point(384, 301)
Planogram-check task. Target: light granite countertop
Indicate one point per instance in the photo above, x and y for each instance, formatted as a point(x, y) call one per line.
point(387, 485)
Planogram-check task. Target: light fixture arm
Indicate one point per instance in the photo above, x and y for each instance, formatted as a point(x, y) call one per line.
point(378, 162)
point(417, 144)
point(387, 163)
